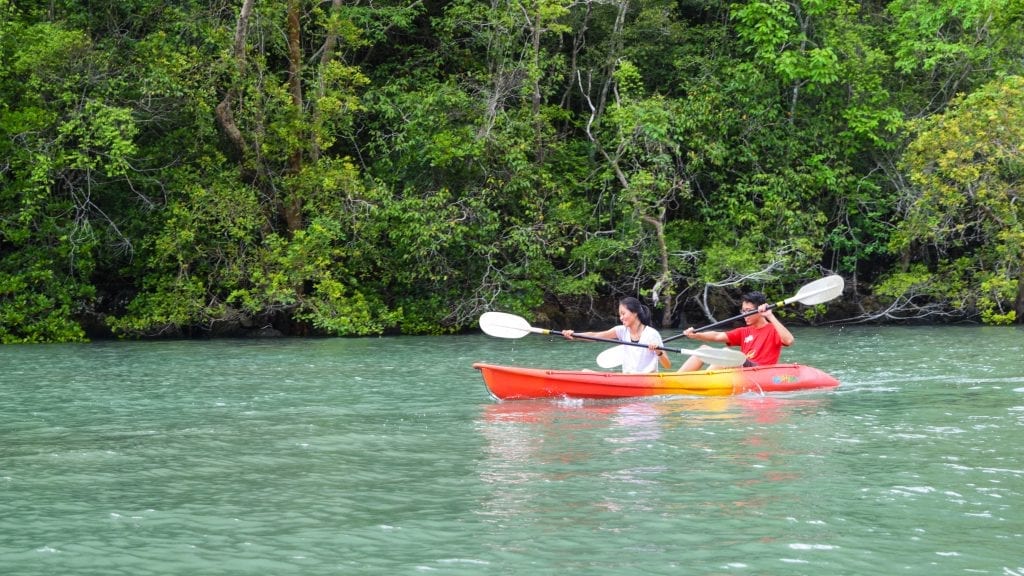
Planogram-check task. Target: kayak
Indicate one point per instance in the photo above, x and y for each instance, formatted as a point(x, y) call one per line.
point(515, 383)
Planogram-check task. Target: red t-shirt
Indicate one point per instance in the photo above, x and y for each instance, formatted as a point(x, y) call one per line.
point(761, 345)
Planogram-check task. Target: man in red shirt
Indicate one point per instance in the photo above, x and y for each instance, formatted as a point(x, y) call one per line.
point(761, 339)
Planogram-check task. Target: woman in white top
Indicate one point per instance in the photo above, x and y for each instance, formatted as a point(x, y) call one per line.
point(636, 328)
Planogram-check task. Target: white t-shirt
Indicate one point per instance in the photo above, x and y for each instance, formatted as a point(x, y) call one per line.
point(634, 358)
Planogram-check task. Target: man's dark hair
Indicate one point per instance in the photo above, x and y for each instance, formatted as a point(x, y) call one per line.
point(756, 298)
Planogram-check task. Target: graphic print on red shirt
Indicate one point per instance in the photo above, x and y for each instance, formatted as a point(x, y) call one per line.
point(762, 346)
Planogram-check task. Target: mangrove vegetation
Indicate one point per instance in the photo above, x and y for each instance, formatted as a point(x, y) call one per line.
point(214, 167)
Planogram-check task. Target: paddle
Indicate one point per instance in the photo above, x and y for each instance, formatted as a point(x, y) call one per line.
point(817, 292)
point(610, 358)
point(503, 325)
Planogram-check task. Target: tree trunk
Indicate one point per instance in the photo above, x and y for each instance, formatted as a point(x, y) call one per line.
point(665, 280)
point(330, 43)
point(291, 204)
point(225, 117)
point(538, 124)
point(1020, 299)
point(614, 49)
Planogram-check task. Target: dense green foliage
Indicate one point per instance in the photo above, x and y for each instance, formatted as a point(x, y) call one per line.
point(340, 168)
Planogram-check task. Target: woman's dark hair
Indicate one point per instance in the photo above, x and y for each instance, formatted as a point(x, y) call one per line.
point(634, 306)
point(756, 298)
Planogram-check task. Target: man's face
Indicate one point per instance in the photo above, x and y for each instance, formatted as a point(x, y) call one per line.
point(749, 307)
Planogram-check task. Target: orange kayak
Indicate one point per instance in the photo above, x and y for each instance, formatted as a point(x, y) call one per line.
point(514, 383)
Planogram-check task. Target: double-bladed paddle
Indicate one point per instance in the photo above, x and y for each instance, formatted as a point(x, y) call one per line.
point(504, 325)
point(817, 292)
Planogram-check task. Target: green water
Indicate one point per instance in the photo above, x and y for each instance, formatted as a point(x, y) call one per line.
point(387, 456)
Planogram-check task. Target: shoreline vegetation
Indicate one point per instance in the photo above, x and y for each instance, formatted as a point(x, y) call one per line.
point(836, 314)
point(203, 169)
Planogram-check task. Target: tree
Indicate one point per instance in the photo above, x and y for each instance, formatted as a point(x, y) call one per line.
point(964, 212)
point(65, 143)
point(263, 240)
point(949, 47)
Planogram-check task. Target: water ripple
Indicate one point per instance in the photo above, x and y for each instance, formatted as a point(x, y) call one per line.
point(385, 456)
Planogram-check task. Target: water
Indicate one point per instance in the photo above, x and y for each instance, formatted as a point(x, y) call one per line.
point(386, 456)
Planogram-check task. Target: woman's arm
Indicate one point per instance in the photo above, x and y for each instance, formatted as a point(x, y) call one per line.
point(608, 334)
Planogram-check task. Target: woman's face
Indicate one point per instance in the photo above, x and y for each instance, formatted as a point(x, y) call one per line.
point(625, 316)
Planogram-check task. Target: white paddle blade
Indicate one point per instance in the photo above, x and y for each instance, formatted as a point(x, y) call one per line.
point(819, 291)
point(503, 325)
point(724, 357)
point(611, 357)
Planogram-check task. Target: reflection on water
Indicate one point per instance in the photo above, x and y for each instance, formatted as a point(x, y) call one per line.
point(536, 448)
point(636, 418)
